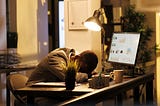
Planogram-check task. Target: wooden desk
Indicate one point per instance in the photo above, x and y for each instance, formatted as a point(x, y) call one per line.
point(117, 90)
point(88, 95)
point(16, 68)
point(55, 92)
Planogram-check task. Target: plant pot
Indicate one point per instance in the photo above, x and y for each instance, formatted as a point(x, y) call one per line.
point(70, 79)
point(70, 83)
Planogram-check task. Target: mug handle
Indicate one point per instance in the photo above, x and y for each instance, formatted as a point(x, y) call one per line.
point(112, 75)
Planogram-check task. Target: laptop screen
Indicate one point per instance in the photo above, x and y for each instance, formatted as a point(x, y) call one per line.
point(124, 47)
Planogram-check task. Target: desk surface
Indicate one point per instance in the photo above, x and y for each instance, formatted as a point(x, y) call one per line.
point(90, 94)
point(84, 88)
point(55, 91)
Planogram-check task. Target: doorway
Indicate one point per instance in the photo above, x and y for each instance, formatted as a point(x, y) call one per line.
point(56, 24)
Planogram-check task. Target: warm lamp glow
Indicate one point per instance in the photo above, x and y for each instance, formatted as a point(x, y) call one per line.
point(92, 26)
point(93, 23)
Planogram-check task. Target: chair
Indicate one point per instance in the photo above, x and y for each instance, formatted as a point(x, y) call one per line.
point(16, 81)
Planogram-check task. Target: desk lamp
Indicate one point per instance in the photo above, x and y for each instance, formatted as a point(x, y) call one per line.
point(93, 23)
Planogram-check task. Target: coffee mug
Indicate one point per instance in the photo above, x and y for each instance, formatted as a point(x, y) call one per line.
point(117, 75)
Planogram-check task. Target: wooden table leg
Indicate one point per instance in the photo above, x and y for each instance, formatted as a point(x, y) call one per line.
point(136, 96)
point(7, 92)
point(30, 100)
point(149, 93)
point(119, 100)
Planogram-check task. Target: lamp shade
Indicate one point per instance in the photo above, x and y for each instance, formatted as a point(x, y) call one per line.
point(93, 23)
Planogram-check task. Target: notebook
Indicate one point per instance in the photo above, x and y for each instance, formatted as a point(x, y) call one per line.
point(54, 84)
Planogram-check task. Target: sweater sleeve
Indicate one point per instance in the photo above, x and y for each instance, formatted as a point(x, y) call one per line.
point(56, 60)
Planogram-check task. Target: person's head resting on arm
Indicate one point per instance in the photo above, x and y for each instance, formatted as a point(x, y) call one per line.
point(88, 61)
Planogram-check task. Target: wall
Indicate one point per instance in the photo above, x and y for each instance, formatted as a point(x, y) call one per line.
point(32, 28)
point(158, 58)
point(150, 16)
point(3, 46)
point(83, 39)
point(12, 27)
point(3, 43)
point(147, 5)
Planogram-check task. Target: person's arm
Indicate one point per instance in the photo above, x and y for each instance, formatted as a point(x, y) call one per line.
point(56, 60)
point(81, 77)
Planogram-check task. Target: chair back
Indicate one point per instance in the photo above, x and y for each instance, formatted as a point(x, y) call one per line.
point(16, 81)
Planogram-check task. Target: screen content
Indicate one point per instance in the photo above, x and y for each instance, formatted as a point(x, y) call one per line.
point(124, 48)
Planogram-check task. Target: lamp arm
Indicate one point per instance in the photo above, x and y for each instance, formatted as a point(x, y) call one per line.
point(101, 10)
point(102, 49)
point(104, 20)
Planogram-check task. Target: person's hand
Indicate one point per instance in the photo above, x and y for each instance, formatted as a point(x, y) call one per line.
point(94, 73)
point(81, 77)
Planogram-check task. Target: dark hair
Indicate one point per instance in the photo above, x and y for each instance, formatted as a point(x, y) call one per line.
point(88, 61)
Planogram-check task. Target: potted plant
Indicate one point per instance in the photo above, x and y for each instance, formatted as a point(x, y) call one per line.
point(71, 70)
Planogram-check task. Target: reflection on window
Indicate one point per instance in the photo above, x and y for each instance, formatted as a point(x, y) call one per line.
point(61, 24)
